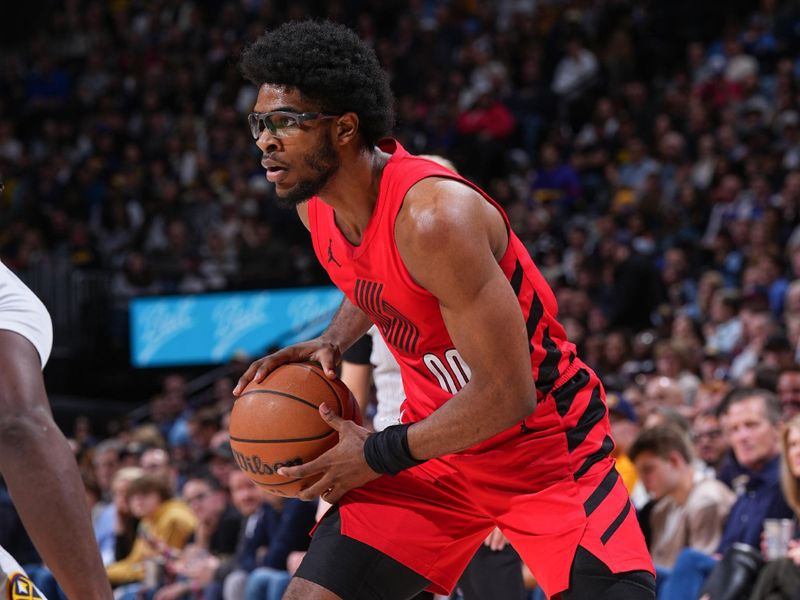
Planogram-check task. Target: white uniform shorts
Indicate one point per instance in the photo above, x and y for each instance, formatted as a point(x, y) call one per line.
point(23, 313)
point(14, 583)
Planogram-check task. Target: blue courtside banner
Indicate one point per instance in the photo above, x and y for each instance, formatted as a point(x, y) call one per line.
point(212, 328)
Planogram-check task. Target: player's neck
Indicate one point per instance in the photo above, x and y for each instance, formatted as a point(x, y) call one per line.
point(353, 192)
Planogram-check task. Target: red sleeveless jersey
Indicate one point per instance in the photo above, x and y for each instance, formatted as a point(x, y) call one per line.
point(548, 483)
point(374, 278)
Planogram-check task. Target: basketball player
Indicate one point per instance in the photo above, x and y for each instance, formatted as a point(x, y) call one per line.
point(503, 425)
point(495, 570)
point(35, 459)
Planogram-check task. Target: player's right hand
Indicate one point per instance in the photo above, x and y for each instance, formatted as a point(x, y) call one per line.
point(319, 350)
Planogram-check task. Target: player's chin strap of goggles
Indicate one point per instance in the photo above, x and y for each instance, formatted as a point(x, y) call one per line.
point(387, 451)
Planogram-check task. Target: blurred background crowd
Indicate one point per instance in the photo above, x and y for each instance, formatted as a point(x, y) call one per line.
point(647, 153)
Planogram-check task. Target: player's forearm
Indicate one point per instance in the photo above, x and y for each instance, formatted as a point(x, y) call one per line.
point(348, 325)
point(473, 415)
point(43, 479)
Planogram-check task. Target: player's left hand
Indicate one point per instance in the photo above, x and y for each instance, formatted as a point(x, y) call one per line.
point(343, 466)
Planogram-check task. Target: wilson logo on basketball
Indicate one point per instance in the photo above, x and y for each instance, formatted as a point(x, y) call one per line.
point(255, 465)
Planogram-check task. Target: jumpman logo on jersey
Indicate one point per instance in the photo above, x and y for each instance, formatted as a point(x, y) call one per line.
point(331, 258)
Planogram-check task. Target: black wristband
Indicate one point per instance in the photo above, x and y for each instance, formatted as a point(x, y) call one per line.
point(387, 451)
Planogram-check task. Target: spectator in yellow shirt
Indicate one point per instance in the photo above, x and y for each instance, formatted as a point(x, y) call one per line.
point(166, 525)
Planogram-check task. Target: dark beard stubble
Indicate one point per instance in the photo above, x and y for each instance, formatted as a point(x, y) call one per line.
point(325, 162)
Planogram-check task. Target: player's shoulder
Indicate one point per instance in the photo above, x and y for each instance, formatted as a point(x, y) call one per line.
point(439, 213)
point(435, 205)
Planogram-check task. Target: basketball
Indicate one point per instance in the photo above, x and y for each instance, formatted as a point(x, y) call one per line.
point(276, 423)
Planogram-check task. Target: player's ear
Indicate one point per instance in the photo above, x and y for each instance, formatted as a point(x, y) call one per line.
point(346, 128)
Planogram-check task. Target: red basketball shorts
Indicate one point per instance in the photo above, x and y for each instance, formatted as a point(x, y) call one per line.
point(546, 492)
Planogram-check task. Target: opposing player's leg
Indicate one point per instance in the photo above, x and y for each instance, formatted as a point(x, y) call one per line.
point(339, 567)
point(35, 459)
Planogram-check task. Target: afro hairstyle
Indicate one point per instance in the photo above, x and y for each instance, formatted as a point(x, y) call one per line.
point(330, 66)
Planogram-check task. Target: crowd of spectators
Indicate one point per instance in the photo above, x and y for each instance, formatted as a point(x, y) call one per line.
point(650, 162)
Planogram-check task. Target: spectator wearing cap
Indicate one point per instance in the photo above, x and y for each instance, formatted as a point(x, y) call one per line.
point(752, 422)
point(221, 463)
point(689, 509)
